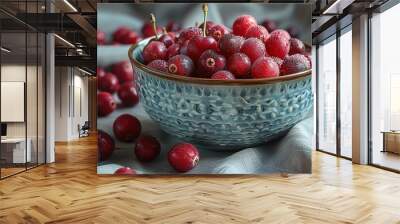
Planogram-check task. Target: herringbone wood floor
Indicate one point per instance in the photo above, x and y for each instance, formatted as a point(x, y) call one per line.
point(69, 191)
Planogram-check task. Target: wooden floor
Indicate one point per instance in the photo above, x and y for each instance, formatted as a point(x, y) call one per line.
point(69, 191)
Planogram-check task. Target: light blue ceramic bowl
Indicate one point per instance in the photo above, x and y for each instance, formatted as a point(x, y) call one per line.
point(222, 114)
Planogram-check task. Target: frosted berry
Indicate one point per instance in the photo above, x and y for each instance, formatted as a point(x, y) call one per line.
point(126, 128)
point(239, 64)
point(153, 51)
point(128, 95)
point(189, 33)
point(147, 148)
point(183, 157)
point(211, 62)
point(160, 65)
point(180, 65)
point(264, 67)
point(278, 44)
point(230, 44)
point(105, 104)
point(258, 32)
point(296, 46)
point(279, 61)
point(223, 75)
point(294, 64)
point(242, 24)
point(253, 48)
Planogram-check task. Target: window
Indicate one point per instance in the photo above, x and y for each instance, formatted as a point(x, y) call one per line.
point(385, 88)
point(327, 96)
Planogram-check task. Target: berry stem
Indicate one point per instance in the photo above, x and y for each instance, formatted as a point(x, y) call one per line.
point(153, 21)
point(205, 12)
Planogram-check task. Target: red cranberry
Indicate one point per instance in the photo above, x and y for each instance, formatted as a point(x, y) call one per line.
point(269, 25)
point(124, 72)
point(147, 148)
point(130, 38)
point(160, 65)
point(108, 83)
point(153, 51)
point(197, 45)
point(120, 33)
point(278, 44)
point(210, 24)
point(230, 44)
point(128, 95)
point(189, 33)
point(242, 24)
point(173, 26)
point(211, 62)
point(279, 61)
point(264, 67)
point(218, 31)
point(105, 145)
point(101, 38)
point(296, 46)
point(259, 32)
point(180, 65)
point(148, 30)
point(239, 64)
point(167, 39)
point(173, 50)
point(125, 171)
point(282, 33)
point(294, 64)
point(100, 73)
point(126, 128)
point(183, 157)
point(105, 104)
point(253, 48)
point(223, 75)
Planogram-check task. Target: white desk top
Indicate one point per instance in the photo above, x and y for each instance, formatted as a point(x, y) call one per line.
point(13, 140)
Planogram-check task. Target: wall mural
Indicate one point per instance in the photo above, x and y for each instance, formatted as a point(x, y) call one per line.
point(204, 88)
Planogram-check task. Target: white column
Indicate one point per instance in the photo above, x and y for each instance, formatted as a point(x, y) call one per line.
point(360, 90)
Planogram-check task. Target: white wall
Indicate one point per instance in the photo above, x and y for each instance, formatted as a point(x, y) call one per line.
point(70, 84)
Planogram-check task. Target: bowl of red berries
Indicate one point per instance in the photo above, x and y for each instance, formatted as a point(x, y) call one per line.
point(222, 88)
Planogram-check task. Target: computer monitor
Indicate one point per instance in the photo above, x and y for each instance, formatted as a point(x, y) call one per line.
point(3, 129)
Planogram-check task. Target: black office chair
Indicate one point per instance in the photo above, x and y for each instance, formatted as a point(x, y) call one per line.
point(84, 130)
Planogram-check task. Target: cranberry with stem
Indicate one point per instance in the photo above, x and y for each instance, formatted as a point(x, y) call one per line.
point(198, 44)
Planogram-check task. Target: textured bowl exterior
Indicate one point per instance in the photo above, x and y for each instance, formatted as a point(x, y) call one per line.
point(224, 117)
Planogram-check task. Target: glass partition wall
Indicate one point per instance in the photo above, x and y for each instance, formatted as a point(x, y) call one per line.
point(22, 77)
point(385, 90)
point(334, 94)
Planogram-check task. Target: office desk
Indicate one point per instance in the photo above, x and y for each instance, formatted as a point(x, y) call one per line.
point(13, 150)
point(391, 141)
